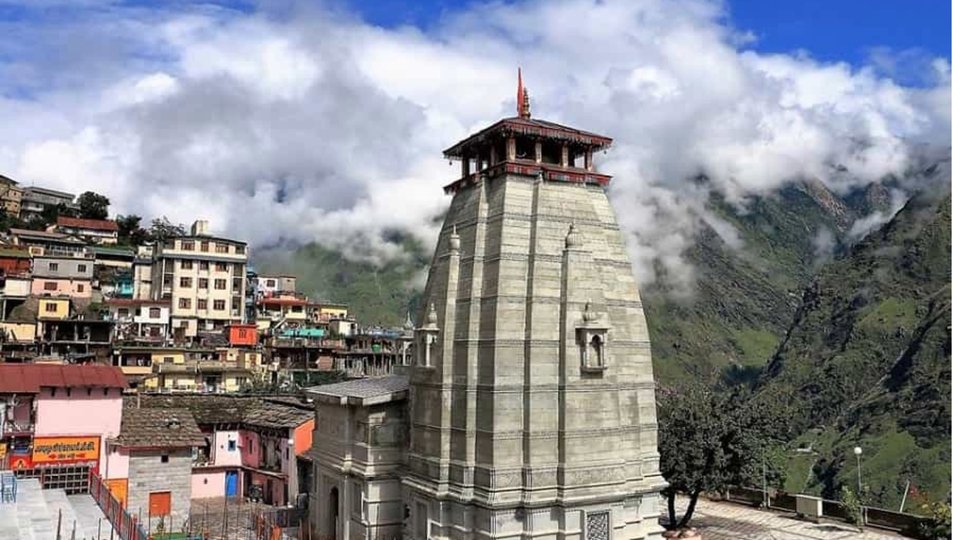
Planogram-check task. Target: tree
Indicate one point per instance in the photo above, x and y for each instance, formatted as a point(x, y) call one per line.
point(708, 440)
point(93, 205)
point(162, 228)
point(129, 231)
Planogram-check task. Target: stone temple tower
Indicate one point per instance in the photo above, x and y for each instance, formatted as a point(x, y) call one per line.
point(531, 398)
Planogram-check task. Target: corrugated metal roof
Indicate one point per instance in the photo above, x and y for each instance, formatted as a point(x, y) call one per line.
point(91, 224)
point(30, 378)
point(364, 388)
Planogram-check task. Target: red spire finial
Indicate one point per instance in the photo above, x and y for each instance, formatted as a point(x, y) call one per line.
point(523, 100)
point(519, 92)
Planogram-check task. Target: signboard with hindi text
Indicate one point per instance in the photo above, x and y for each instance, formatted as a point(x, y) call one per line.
point(53, 450)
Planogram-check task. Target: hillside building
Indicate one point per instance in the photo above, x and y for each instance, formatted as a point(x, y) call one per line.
point(36, 200)
point(204, 277)
point(93, 231)
point(11, 196)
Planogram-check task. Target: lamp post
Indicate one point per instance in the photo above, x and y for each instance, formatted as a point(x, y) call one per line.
point(857, 451)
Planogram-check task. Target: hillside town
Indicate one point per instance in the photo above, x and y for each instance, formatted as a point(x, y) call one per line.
point(168, 371)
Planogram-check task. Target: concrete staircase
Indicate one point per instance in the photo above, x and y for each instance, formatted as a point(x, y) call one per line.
point(34, 515)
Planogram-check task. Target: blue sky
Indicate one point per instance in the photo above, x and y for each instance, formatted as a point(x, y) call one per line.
point(293, 120)
point(829, 30)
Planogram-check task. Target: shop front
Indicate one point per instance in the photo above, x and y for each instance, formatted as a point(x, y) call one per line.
point(59, 462)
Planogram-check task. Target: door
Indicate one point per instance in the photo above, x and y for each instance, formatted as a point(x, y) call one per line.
point(231, 490)
point(159, 503)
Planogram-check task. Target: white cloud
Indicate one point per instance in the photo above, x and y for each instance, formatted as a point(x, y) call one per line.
point(312, 126)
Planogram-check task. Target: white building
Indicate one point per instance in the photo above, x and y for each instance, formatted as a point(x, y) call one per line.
point(204, 277)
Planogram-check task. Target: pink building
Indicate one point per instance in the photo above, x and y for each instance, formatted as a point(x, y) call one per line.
point(56, 420)
point(74, 288)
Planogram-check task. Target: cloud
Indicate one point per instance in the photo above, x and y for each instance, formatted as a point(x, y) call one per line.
point(306, 124)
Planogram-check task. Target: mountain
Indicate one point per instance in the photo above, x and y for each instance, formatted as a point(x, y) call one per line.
point(802, 262)
point(866, 362)
point(378, 294)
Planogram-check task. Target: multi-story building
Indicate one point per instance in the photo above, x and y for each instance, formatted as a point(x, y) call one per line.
point(269, 284)
point(63, 276)
point(140, 320)
point(276, 308)
point(11, 196)
point(204, 277)
point(255, 446)
point(94, 231)
point(36, 199)
point(143, 273)
point(46, 243)
point(58, 418)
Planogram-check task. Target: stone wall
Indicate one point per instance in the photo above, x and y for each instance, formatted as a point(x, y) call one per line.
point(149, 474)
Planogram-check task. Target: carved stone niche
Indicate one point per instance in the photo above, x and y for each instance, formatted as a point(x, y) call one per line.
point(426, 340)
point(592, 339)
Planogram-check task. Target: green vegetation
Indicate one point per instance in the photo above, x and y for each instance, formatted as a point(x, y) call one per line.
point(866, 361)
point(377, 293)
point(710, 439)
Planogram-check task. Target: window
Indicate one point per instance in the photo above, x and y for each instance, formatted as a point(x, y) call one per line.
point(81, 268)
point(184, 303)
point(203, 283)
point(598, 526)
point(123, 312)
point(222, 248)
point(241, 250)
point(154, 313)
point(50, 307)
point(231, 445)
point(204, 265)
point(357, 499)
point(164, 459)
point(201, 304)
point(50, 286)
point(186, 265)
point(271, 283)
point(186, 282)
point(79, 287)
point(221, 267)
point(219, 305)
point(204, 246)
point(187, 245)
point(220, 284)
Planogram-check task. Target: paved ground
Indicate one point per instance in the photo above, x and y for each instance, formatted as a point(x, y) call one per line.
point(726, 521)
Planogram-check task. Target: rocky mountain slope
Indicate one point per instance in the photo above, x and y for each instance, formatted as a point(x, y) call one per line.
point(866, 362)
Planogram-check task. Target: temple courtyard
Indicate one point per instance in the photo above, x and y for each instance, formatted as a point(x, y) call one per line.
point(728, 521)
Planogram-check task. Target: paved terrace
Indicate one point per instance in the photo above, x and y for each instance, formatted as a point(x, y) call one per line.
point(729, 521)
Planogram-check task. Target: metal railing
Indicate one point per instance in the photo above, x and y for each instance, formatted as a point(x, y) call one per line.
point(878, 518)
point(125, 524)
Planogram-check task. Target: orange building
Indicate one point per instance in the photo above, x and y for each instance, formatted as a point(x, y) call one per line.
point(242, 335)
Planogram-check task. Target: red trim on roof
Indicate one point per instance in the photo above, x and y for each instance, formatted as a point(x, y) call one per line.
point(136, 302)
point(282, 301)
point(530, 127)
point(92, 224)
point(30, 378)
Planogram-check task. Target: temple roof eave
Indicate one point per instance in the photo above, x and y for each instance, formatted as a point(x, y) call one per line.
point(530, 127)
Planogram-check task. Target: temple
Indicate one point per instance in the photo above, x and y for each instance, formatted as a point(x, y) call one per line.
point(528, 410)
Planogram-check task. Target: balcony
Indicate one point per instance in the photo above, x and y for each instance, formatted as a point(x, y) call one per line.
point(16, 428)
